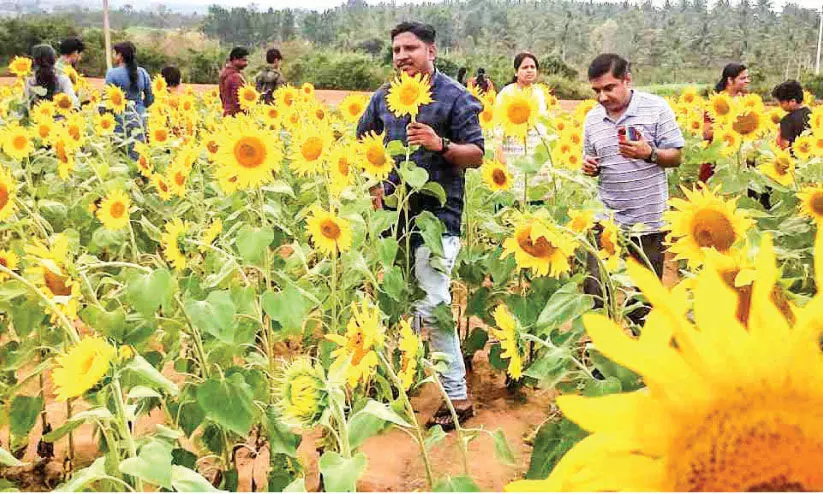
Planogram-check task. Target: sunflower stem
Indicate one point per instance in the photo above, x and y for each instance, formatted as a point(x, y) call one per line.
point(122, 422)
point(461, 438)
point(70, 329)
point(418, 432)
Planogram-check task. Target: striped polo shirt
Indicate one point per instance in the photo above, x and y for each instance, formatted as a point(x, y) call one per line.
point(635, 190)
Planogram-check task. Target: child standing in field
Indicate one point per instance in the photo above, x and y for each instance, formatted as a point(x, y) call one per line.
point(789, 95)
point(269, 79)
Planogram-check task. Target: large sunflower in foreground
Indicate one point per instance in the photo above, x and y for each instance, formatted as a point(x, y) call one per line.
point(357, 347)
point(516, 113)
point(727, 408)
point(720, 107)
point(375, 160)
point(8, 193)
point(114, 210)
point(329, 233)
point(704, 220)
point(408, 93)
point(82, 367)
point(811, 202)
point(249, 154)
point(749, 123)
point(541, 247)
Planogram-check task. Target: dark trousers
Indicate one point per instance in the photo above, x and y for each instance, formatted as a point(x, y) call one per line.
point(652, 246)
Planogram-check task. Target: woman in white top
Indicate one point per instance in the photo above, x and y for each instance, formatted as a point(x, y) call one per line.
point(526, 71)
point(46, 81)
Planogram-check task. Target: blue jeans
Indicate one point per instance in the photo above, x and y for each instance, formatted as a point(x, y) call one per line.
point(435, 282)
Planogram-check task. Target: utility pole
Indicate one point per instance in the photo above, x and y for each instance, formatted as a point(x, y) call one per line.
point(819, 40)
point(107, 33)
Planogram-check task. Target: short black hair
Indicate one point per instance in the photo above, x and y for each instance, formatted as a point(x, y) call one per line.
point(273, 54)
point(171, 74)
point(787, 91)
point(71, 45)
point(608, 62)
point(425, 32)
point(238, 52)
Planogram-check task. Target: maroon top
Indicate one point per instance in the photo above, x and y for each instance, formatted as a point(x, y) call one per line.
point(231, 80)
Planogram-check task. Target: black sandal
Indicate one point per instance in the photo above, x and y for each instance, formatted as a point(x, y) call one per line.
point(443, 417)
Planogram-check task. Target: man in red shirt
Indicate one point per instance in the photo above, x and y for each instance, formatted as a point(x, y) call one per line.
point(231, 80)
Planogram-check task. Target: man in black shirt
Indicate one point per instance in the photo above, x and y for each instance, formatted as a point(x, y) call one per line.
point(790, 96)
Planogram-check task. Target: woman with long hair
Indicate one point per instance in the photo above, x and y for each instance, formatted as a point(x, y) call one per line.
point(46, 81)
point(134, 81)
point(734, 81)
point(507, 149)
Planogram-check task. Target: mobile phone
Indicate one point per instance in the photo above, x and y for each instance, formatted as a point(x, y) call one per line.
point(627, 132)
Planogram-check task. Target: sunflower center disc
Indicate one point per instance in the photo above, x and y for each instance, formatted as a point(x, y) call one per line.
point(713, 229)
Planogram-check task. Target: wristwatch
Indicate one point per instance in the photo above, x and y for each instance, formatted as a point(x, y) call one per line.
point(444, 145)
point(653, 155)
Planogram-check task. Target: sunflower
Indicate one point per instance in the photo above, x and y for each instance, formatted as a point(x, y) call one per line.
point(159, 135)
point(780, 168)
point(9, 260)
point(749, 123)
point(808, 98)
point(356, 350)
point(177, 176)
point(704, 221)
point(580, 221)
point(104, 124)
point(17, 141)
point(249, 154)
point(144, 165)
point(486, 116)
point(115, 99)
point(506, 332)
point(170, 239)
point(63, 103)
point(816, 119)
point(410, 349)
point(811, 202)
point(159, 85)
point(516, 113)
point(408, 93)
point(727, 408)
point(540, 247)
point(341, 165)
point(271, 115)
point(45, 110)
point(286, 96)
point(690, 96)
point(694, 124)
point(374, 158)
point(300, 393)
point(307, 91)
point(496, 176)
point(75, 126)
point(352, 107)
point(609, 241)
point(114, 210)
point(803, 147)
point(329, 233)
point(248, 97)
point(309, 149)
point(82, 367)
point(8, 193)
point(211, 233)
point(774, 116)
point(817, 141)
point(20, 66)
point(583, 108)
point(720, 107)
point(47, 267)
point(730, 139)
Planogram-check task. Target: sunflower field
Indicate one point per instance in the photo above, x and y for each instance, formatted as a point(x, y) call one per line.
point(230, 278)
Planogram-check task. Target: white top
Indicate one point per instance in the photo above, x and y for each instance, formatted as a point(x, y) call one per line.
point(63, 85)
point(516, 148)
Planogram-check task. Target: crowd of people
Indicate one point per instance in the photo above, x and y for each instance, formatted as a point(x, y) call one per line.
point(630, 168)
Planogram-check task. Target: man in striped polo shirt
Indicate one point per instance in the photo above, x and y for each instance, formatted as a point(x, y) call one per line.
point(630, 166)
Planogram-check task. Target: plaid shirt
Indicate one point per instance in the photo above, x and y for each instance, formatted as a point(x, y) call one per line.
point(452, 115)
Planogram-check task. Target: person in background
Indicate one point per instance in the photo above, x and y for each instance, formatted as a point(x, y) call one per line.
point(47, 81)
point(231, 80)
point(631, 173)
point(789, 95)
point(481, 81)
point(172, 77)
point(461, 75)
point(526, 72)
point(71, 51)
point(136, 85)
point(734, 81)
point(269, 79)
